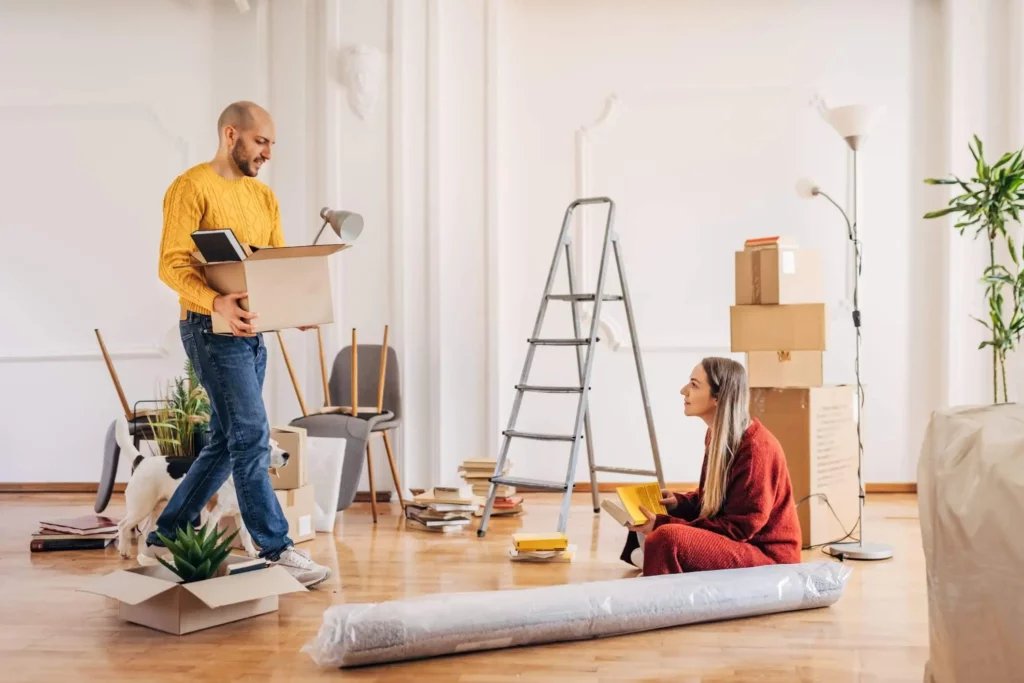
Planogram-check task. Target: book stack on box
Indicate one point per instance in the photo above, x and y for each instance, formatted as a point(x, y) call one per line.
point(441, 509)
point(779, 322)
point(477, 474)
point(548, 547)
point(88, 532)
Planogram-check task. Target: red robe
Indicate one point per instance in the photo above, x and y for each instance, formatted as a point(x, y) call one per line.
point(757, 524)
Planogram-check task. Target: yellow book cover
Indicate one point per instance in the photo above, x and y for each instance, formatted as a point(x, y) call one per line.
point(635, 495)
point(548, 541)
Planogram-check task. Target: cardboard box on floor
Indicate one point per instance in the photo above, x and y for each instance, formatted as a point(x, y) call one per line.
point(778, 272)
point(294, 474)
point(287, 286)
point(782, 369)
point(818, 432)
point(298, 505)
point(784, 327)
point(154, 597)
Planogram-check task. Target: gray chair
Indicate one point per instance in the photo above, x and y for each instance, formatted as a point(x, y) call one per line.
point(360, 428)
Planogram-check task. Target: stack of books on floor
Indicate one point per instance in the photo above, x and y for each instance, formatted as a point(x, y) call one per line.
point(477, 474)
point(441, 509)
point(88, 532)
point(780, 322)
point(547, 547)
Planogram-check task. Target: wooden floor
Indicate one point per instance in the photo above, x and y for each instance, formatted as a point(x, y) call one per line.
point(51, 632)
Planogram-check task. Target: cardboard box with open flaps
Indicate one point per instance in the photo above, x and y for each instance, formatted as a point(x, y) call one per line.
point(287, 287)
point(153, 596)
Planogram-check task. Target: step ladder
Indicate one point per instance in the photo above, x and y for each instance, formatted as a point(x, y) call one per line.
point(584, 365)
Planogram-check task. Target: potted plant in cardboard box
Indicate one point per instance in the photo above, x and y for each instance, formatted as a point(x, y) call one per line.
point(180, 426)
point(990, 201)
point(197, 555)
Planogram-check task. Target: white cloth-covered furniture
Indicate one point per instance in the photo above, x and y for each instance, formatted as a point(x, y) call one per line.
point(444, 624)
point(971, 499)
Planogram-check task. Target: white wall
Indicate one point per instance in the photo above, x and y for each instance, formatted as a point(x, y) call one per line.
point(490, 119)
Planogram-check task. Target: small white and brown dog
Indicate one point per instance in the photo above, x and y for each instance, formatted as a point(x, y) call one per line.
point(153, 481)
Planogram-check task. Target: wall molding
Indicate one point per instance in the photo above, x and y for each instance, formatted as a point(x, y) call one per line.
point(492, 187)
point(433, 236)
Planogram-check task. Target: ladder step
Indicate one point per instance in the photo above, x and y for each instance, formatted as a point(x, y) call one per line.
point(530, 483)
point(562, 342)
point(583, 297)
point(538, 437)
point(549, 390)
point(625, 470)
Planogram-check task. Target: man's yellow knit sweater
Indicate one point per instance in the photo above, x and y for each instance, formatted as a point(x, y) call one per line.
point(200, 199)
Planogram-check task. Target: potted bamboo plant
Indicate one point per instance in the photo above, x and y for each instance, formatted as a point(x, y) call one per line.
point(180, 427)
point(990, 202)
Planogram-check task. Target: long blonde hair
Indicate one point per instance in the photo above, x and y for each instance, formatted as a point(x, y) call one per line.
point(727, 380)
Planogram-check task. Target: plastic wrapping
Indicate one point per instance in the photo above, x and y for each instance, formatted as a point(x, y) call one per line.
point(430, 626)
point(971, 500)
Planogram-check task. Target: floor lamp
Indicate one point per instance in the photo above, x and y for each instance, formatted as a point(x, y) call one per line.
point(852, 124)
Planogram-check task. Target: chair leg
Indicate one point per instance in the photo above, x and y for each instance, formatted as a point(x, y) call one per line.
point(369, 474)
point(394, 470)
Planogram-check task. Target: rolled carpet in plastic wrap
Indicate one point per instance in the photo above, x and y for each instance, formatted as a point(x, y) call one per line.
point(436, 625)
point(970, 483)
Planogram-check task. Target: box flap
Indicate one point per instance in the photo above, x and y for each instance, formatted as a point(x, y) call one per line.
point(288, 428)
point(296, 252)
point(230, 590)
point(130, 587)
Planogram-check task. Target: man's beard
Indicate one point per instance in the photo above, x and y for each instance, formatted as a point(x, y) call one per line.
point(244, 164)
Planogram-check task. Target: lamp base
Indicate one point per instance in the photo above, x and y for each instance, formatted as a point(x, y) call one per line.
point(859, 551)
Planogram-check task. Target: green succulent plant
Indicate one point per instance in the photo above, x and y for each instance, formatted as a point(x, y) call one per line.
point(197, 554)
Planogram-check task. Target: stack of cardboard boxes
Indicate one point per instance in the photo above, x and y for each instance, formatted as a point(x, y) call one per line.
point(779, 321)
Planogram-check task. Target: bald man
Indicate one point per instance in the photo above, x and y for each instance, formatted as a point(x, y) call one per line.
point(221, 194)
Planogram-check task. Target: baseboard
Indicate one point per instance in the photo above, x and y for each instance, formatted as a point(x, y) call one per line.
point(55, 487)
point(364, 497)
point(610, 486)
point(385, 496)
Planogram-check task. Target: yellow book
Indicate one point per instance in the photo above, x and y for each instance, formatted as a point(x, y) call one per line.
point(548, 541)
point(635, 495)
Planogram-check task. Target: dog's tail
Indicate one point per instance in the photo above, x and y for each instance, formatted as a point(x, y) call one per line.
point(125, 442)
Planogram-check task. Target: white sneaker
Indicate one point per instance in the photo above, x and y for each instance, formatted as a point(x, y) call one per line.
point(148, 554)
point(306, 571)
point(637, 558)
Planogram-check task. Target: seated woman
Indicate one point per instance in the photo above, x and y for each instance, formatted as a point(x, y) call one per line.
point(742, 513)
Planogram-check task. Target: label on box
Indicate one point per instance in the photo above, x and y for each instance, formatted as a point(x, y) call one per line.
point(305, 525)
point(788, 262)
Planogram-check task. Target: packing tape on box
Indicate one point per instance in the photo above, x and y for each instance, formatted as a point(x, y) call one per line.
point(756, 274)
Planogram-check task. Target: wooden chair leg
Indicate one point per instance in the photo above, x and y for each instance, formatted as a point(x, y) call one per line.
point(394, 470)
point(373, 490)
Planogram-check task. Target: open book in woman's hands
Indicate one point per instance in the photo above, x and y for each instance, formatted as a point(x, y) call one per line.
point(627, 510)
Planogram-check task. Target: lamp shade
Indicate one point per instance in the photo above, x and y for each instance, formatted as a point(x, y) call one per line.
point(345, 224)
point(853, 122)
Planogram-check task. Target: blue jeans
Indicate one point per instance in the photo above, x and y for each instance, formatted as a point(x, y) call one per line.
point(231, 369)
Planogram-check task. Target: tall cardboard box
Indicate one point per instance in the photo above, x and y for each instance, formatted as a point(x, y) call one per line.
point(771, 272)
point(783, 327)
point(818, 432)
point(153, 596)
point(785, 369)
point(294, 474)
point(287, 286)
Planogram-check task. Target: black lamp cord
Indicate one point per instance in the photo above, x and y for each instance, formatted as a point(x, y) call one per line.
point(851, 233)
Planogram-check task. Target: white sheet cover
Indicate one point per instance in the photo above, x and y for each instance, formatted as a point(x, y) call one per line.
point(434, 625)
point(971, 500)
